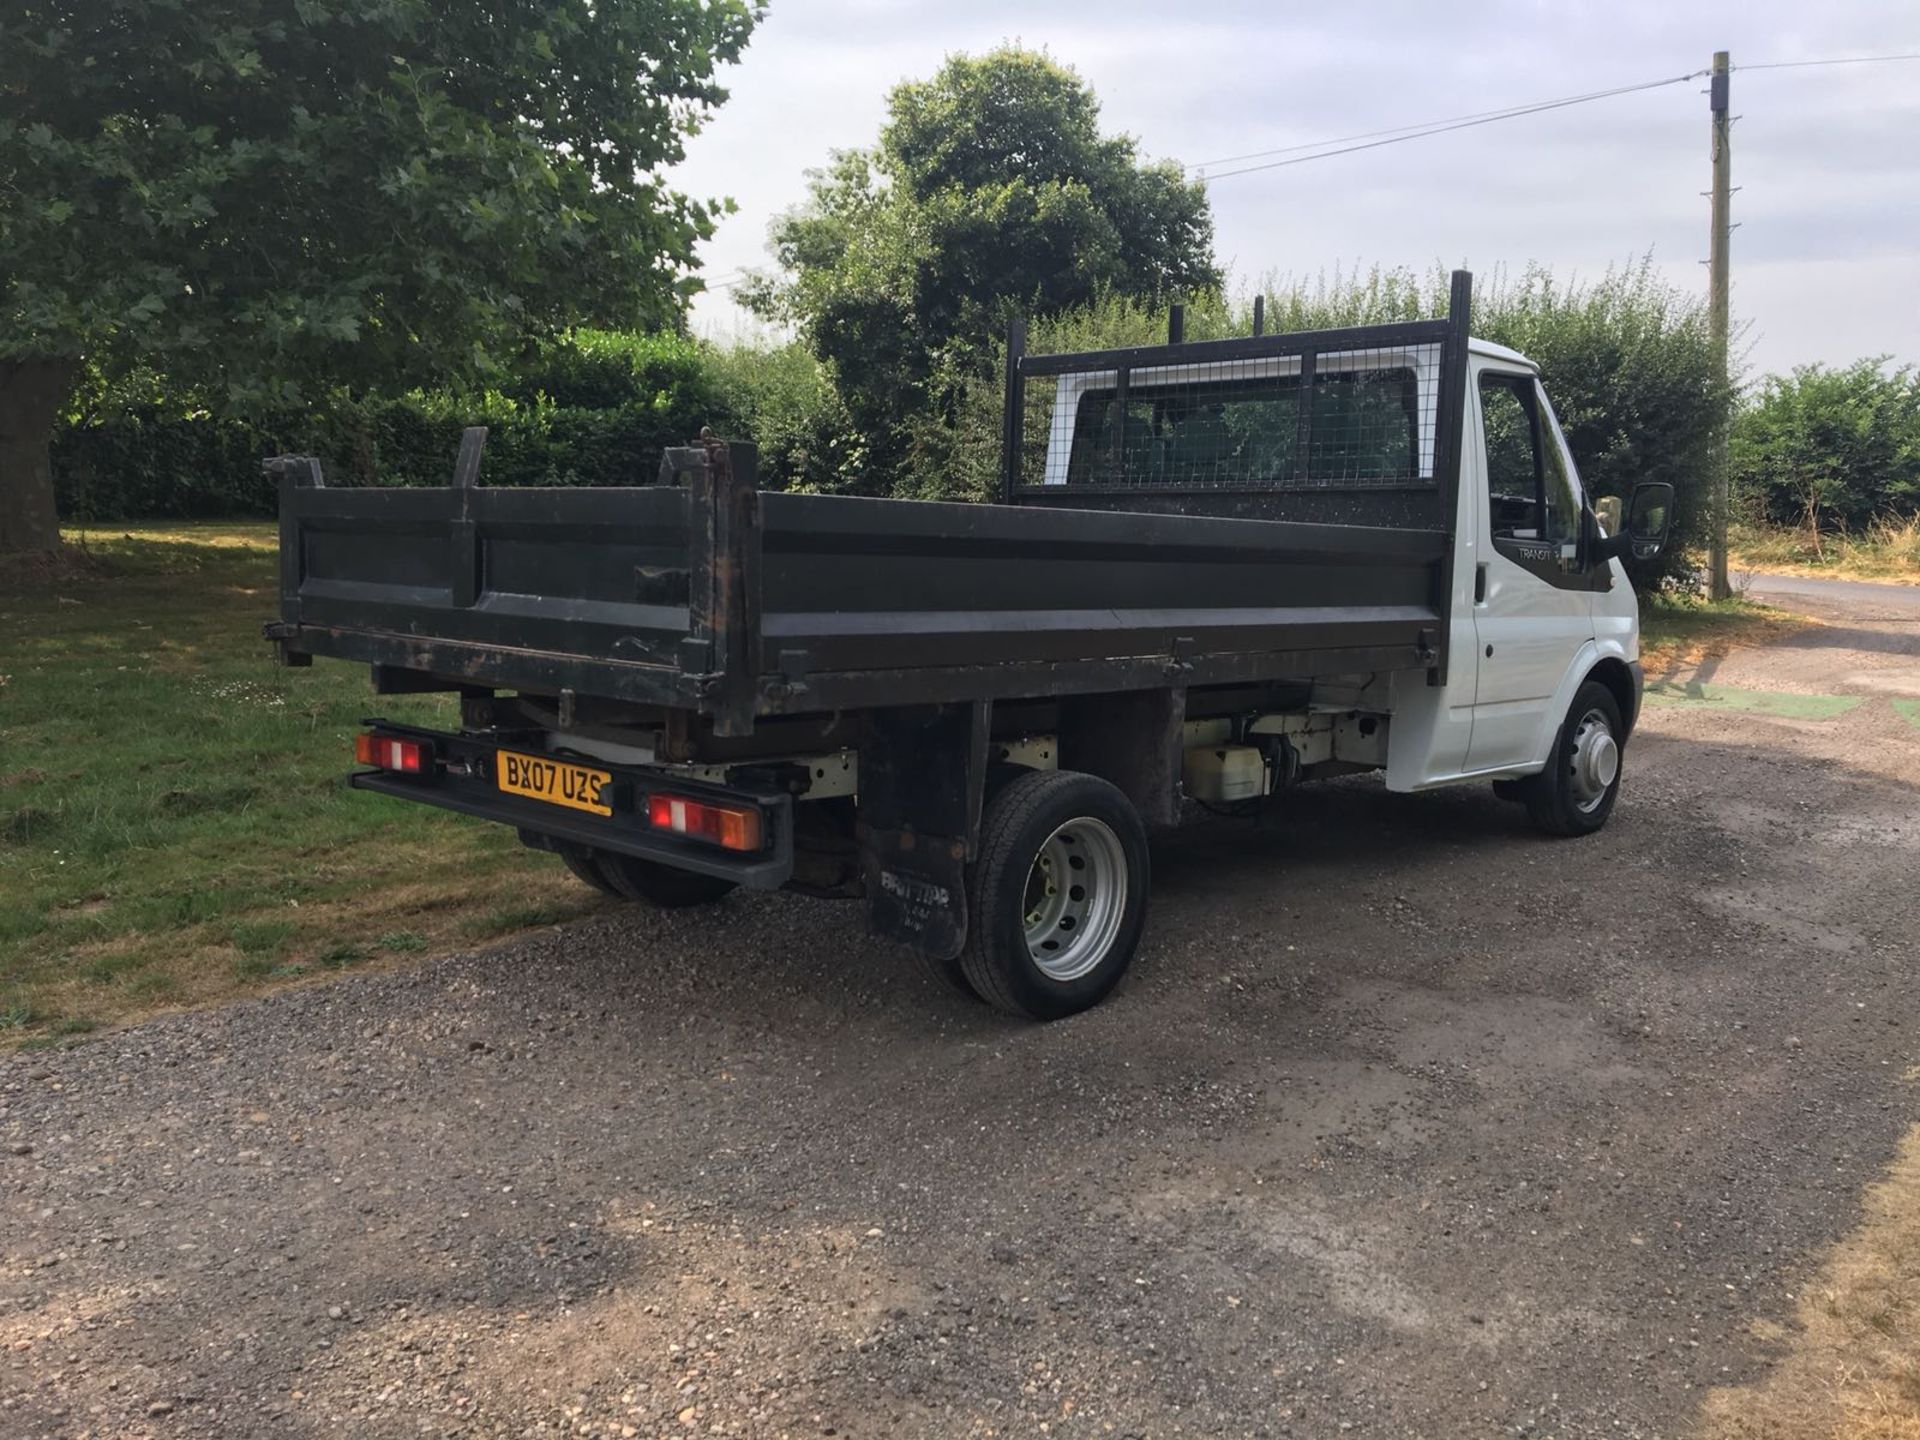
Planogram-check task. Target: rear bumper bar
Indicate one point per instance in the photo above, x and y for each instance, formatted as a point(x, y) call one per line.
point(463, 781)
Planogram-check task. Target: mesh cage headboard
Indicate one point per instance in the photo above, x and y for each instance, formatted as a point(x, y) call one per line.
point(1320, 411)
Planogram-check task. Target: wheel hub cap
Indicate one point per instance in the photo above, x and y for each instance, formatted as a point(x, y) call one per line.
point(1076, 895)
point(1595, 760)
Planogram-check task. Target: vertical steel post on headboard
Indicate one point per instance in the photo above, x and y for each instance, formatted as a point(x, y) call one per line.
point(1013, 418)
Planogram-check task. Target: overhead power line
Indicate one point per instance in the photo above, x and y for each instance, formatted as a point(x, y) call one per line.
point(1374, 139)
point(1842, 60)
point(1501, 113)
point(1347, 145)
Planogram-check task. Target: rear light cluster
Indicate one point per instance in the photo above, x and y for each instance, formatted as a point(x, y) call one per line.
point(410, 757)
point(732, 827)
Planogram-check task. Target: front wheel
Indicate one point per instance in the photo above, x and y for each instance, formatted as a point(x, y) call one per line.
point(1058, 896)
point(1575, 794)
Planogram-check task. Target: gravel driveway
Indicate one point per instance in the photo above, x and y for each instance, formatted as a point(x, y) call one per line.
point(1408, 1123)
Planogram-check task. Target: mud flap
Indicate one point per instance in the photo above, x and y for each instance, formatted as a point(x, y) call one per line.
point(916, 889)
point(922, 775)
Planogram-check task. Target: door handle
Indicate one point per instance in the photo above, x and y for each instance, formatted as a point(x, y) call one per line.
point(1480, 583)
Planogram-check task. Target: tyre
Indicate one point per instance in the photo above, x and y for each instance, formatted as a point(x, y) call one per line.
point(652, 883)
point(585, 866)
point(1057, 897)
point(1575, 794)
point(949, 973)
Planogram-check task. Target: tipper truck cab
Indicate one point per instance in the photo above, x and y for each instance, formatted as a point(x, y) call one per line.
point(1216, 570)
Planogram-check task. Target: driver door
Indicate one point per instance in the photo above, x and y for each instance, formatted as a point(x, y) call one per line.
point(1533, 592)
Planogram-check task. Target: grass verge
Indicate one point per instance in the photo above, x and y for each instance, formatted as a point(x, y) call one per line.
point(1851, 1365)
point(174, 826)
point(1886, 551)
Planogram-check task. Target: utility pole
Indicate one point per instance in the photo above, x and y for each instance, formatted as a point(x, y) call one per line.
point(1718, 586)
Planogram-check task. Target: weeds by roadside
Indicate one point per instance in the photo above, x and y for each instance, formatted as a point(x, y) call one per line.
point(1851, 1367)
point(173, 824)
point(1886, 550)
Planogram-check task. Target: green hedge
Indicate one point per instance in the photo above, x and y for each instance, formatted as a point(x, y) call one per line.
point(1831, 449)
point(595, 409)
point(152, 464)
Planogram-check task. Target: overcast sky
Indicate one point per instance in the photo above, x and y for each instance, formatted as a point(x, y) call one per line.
point(1826, 261)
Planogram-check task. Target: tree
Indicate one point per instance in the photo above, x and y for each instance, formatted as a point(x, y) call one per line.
point(263, 198)
point(1828, 448)
point(991, 191)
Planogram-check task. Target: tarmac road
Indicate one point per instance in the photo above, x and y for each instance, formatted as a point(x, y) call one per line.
point(1408, 1123)
point(1856, 597)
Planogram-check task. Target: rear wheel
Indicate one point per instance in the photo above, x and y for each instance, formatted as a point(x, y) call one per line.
point(652, 883)
point(585, 866)
point(1575, 794)
point(1058, 896)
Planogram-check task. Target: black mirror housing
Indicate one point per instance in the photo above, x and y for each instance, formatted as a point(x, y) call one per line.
point(1643, 535)
point(1649, 516)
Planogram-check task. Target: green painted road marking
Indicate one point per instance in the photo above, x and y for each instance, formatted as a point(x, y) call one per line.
point(1763, 702)
point(1910, 709)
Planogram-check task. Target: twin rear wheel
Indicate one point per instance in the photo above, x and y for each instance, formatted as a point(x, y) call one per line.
point(1057, 897)
point(627, 877)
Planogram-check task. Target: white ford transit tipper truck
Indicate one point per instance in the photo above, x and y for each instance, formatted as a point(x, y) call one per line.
point(1215, 571)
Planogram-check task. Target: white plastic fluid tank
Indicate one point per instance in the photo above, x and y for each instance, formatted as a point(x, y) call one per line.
point(1224, 773)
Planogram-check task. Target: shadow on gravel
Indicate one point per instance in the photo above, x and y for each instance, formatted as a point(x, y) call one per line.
point(1842, 637)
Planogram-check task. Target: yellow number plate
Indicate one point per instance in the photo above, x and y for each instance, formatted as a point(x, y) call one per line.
point(554, 781)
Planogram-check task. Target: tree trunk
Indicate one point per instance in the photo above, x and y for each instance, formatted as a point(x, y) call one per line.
point(1812, 501)
point(32, 391)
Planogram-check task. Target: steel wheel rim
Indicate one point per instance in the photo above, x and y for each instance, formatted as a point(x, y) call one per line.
point(1075, 898)
point(1595, 761)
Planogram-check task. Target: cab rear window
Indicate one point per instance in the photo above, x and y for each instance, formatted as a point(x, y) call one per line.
point(1360, 427)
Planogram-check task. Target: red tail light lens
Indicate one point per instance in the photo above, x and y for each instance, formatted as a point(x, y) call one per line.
point(410, 757)
point(732, 827)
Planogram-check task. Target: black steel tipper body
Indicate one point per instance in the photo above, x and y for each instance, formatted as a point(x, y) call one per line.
point(703, 594)
point(855, 602)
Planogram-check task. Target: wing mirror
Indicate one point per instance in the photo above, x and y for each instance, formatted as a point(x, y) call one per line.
point(1649, 514)
point(1643, 534)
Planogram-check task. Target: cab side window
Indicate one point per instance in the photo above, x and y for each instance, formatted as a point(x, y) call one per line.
point(1513, 458)
point(1557, 487)
point(1530, 494)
